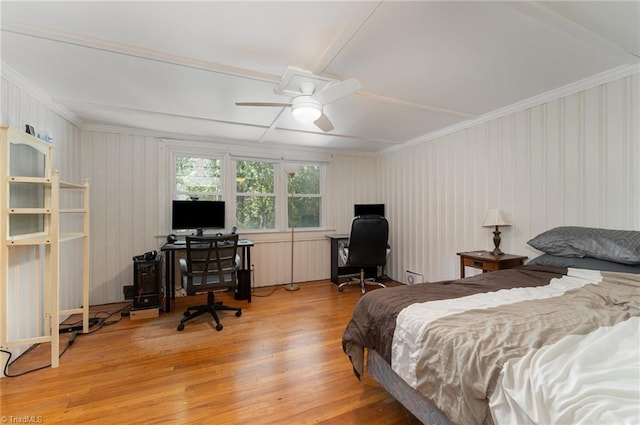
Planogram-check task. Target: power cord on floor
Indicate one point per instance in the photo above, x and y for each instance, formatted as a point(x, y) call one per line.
point(266, 295)
point(104, 321)
point(101, 322)
point(9, 362)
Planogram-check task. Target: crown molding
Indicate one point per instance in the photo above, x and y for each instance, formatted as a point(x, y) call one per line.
point(567, 90)
point(133, 51)
point(19, 80)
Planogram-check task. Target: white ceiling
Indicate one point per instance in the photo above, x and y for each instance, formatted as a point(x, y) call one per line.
point(177, 68)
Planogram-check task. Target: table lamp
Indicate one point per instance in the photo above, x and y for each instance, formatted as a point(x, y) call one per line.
point(494, 218)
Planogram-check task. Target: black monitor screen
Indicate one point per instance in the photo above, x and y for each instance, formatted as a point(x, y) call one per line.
point(368, 209)
point(197, 215)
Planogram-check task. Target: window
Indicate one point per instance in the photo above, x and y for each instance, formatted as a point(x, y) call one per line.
point(266, 198)
point(255, 195)
point(198, 178)
point(304, 200)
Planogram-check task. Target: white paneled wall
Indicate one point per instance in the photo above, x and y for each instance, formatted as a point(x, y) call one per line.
point(129, 175)
point(125, 206)
point(574, 160)
point(350, 180)
point(19, 107)
point(571, 161)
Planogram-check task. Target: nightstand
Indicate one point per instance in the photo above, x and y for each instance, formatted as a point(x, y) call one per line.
point(488, 262)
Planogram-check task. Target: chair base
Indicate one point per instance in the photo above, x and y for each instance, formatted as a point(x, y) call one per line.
point(362, 282)
point(211, 307)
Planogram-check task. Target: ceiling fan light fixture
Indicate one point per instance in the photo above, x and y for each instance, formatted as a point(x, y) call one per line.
point(305, 110)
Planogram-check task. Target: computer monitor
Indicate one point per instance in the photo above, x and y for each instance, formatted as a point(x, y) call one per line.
point(368, 209)
point(197, 215)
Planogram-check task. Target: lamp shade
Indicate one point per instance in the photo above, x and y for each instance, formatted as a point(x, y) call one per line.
point(495, 218)
point(290, 169)
point(305, 110)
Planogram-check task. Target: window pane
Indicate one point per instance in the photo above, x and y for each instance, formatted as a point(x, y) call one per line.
point(255, 212)
point(306, 212)
point(255, 200)
point(197, 176)
point(254, 177)
point(306, 180)
point(200, 196)
point(307, 208)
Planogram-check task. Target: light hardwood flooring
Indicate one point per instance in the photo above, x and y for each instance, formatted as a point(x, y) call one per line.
point(281, 362)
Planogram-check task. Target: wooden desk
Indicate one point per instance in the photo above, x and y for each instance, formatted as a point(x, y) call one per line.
point(170, 279)
point(337, 266)
point(488, 262)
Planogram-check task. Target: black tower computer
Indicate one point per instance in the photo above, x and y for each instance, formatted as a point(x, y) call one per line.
point(146, 283)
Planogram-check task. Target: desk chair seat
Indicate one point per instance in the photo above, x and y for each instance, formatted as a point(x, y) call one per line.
point(211, 265)
point(367, 247)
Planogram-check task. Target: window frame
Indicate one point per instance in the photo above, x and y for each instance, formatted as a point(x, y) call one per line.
point(228, 166)
point(320, 194)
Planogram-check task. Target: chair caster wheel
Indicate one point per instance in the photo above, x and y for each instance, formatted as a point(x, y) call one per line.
point(181, 326)
point(340, 289)
point(219, 327)
point(238, 313)
point(186, 313)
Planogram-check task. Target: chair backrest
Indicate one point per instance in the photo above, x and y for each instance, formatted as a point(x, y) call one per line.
point(211, 262)
point(368, 241)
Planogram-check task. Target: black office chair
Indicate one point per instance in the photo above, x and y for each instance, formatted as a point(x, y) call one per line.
point(367, 247)
point(210, 265)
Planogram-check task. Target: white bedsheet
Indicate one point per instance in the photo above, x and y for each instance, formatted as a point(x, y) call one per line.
point(581, 379)
point(412, 322)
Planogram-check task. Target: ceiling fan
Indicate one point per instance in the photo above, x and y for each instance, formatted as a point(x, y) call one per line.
point(307, 106)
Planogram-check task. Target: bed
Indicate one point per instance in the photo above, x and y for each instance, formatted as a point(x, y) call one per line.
point(554, 341)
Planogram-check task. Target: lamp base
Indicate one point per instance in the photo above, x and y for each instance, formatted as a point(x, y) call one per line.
point(496, 251)
point(292, 287)
point(496, 242)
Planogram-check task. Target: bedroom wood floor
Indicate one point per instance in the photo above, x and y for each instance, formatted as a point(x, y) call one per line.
point(281, 362)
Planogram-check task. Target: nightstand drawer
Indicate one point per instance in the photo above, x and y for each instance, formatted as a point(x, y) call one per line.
point(481, 264)
point(488, 262)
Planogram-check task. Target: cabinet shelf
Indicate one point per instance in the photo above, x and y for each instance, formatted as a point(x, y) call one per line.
point(73, 210)
point(24, 179)
point(29, 211)
point(30, 240)
point(67, 185)
point(44, 231)
point(64, 237)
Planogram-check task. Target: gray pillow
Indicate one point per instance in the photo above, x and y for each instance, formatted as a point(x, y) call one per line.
point(583, 263)
point(620, 246)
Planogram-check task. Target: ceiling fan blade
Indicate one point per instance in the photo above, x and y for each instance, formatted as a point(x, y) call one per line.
point(281, 105)
point(337, 91)
point(323, 123)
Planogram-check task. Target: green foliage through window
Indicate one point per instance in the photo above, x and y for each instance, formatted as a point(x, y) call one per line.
point(304, 201)
point(255, 195)
point(198, 178)
point(260, 187)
